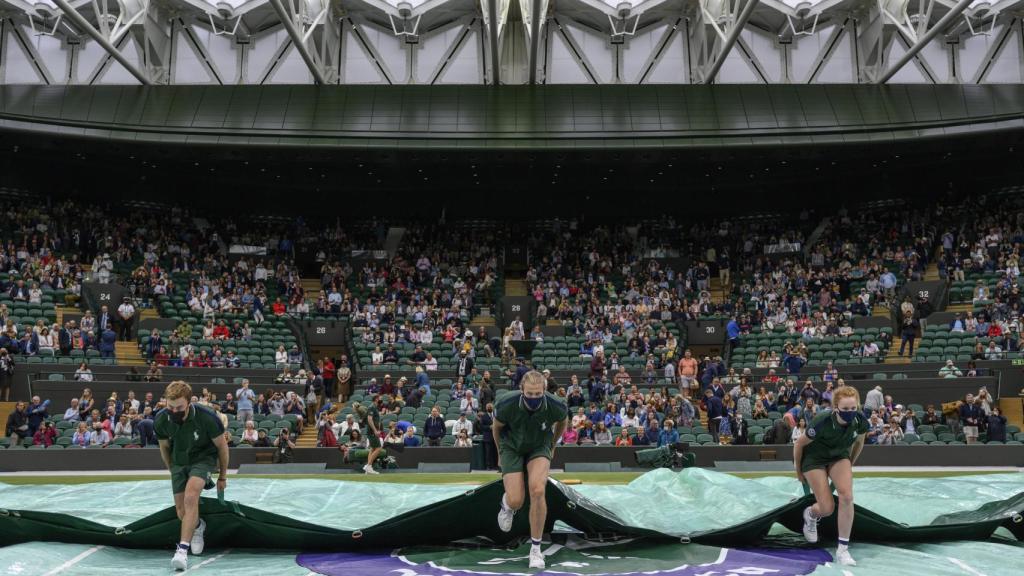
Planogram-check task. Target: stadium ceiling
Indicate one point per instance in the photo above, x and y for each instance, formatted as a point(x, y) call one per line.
point(254, 42)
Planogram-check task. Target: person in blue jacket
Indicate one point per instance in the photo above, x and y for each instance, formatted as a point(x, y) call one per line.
point(108, 342)
point(716, 411)
point(669, 436)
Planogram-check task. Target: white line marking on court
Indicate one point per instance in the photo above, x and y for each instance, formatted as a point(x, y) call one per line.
point(847, 573)
point(267, 491)
point(208, 561)
point(964, 566)
point(74, 560)
point(331, 499)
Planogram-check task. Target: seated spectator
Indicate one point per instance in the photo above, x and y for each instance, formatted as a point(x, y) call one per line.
point(570, 437)
point(624, 439)
point(72, 414)
point(585, 434)
point(100, 435)
point(249, 435)
point(83, 436)
point(462, 424)
point(411, 439)
point(46, 435)
point(950, 371)
point(262, 441)
point(123, 428)
point(281, 357)
point(668, 435)
point(462, 439)
point(83, 374)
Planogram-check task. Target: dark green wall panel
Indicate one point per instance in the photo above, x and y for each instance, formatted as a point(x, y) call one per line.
point(513, 117)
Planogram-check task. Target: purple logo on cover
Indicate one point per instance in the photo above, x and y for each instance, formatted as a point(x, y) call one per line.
point(775, 562)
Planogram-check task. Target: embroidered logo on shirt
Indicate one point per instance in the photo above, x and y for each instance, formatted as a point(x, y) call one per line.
point(195, 434)
point(811, 432)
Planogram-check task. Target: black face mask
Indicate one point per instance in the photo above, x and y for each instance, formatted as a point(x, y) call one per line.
point(179, 417)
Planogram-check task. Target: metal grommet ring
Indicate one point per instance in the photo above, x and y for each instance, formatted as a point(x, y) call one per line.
point(357, 534)
point(4, 512)
point(1017, 519)
point(121, 531)
point(684, 539)
point(571, 505)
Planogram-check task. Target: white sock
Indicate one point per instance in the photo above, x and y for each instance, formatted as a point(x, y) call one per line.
point(535, 544)
point(843, 544)
point(504, 504)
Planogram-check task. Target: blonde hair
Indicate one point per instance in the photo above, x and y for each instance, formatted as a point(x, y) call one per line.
point(846, 392)
point(533, 376)
point(178, 389)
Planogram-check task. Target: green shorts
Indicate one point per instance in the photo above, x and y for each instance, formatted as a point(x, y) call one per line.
point(181, 474)
point(818, 463)
point(374, 441)
point(515, 460)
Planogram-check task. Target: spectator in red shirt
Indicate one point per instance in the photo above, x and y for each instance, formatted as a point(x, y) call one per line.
point(45, 435)
point(327, 372)
point(278, 307)
point(221, 331)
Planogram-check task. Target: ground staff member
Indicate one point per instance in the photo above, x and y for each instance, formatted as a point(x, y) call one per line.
point(828, 449)
point(526, 425)
point(192, 446)
point(369, 421)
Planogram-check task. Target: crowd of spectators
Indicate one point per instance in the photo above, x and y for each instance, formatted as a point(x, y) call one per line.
point(128, 421)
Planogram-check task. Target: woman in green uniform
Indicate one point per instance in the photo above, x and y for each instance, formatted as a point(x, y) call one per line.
point(828, 449)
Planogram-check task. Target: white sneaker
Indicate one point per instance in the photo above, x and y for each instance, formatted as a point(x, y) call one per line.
point(197, 542)
point(505, 517)
point(843, 557)
point(536, 558)
point(810, 526)
point(369, 469)
point(180, 560)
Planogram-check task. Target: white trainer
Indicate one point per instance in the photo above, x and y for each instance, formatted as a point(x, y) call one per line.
point(505, 517)
point(536, 558)
point(810, 526)
point(180, 560)
point(197, 542)
point(369, 469)
point(843, 557)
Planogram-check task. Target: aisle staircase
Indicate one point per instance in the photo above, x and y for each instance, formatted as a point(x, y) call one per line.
point(5, 410)
point(717, 290)
point(312, 288)
point(127, 354)
point(515, 287)
point(308, 437)
point(893, 356)
point(931, 273)
point(1012, 407)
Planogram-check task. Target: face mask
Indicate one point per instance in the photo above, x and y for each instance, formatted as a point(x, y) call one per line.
point(847, 417)
point(533, 404)
point(178, 417)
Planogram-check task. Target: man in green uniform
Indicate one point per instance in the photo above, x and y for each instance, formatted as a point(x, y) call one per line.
point(833, 442)
point(526, 426)
point(192, 445)
point(369, 421)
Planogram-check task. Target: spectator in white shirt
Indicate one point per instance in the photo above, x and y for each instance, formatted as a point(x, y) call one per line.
point(469, 404)
point(462, 424)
